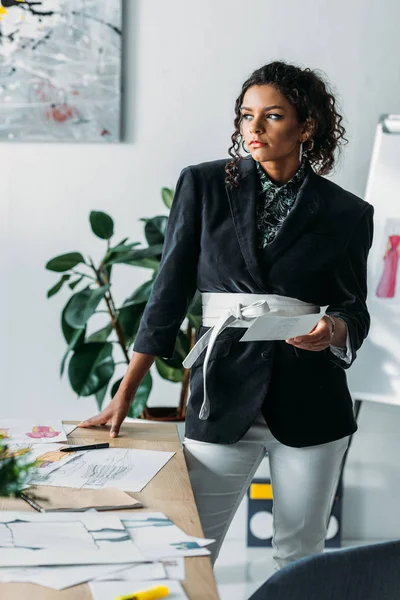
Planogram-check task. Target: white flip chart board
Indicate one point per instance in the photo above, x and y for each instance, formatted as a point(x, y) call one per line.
point(375, 374)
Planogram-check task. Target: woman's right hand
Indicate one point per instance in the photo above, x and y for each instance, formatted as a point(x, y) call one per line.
point(113, 413)
point(117, 410)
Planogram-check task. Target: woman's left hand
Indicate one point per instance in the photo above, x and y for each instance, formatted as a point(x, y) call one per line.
point(318, 339)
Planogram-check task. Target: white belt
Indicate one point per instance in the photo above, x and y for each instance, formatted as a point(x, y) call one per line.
point(222, 310)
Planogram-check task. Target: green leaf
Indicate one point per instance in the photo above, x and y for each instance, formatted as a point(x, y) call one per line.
point(128, 255)
point(101, 335)
point(169, 373)
point(65, 262)
point(74, 283)
point(195, 311)
point(167, 196)
point(129, 320)
point(83, 304)
point(115, 387)
point(141, 396)
point(195, 321)
point(91, 368)
point(146, 263)
point(102, 224)
point(77, 339)
point(122, 247)
point(100, 395)
point(142, 294)
point(56, 288)
point(67, 330)
point(155, 230)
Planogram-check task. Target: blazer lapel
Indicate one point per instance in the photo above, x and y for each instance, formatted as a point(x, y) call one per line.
point(243, 201)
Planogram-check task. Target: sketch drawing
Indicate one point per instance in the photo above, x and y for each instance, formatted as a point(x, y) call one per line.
point(387, 286)
point(42, 431)
point(60, 71)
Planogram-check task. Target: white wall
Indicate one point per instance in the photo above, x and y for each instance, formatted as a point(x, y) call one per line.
point(184, 65)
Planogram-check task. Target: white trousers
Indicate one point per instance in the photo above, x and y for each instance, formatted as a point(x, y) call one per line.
point(304, 482)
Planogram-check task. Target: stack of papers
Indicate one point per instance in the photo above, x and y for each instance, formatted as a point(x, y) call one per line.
point(119, 553)
point(59, 550)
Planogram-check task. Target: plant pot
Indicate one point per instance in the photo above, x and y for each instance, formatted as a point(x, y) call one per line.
point(163, 413)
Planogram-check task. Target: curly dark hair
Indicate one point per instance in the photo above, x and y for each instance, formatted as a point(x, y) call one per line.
point(310, 95)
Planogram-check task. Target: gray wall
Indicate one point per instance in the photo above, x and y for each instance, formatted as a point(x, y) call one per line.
point(184, 66)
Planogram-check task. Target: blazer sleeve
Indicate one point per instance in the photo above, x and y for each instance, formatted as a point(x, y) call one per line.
point(350, 286)
point(175, 282)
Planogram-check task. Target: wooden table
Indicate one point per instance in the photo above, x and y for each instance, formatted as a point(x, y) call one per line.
point(169, 492)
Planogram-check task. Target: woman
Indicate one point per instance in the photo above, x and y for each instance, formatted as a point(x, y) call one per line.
point(254, 234)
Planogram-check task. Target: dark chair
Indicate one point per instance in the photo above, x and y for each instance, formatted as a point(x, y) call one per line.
point(363, 573)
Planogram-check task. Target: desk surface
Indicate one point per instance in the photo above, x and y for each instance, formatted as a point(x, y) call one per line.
point(169, 492)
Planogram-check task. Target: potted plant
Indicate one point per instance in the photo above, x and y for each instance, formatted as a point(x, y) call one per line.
point(91, 358)
point(14, 471)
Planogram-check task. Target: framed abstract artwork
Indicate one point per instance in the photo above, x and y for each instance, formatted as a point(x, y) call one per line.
point(60, 70)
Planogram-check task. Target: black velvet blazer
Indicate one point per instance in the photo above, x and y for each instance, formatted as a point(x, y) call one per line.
point(319, 256)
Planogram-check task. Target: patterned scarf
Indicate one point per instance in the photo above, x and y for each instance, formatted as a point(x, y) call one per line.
point(276, 202)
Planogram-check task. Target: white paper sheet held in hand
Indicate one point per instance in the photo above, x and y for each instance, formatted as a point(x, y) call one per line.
point(270, 327)
point(125, 468)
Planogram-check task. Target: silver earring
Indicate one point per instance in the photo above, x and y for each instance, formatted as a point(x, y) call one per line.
point(301, 151)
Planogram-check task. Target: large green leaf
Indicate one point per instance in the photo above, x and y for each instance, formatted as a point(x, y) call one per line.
point(167, 372)
point(100, 395)
point(146, 263)
point(73, 337)
point(115, 387)
point(167, 196)
point(83, 304)
point(102, 224)
point(77, 339)
point(141, 397)
point(65, 262)
point(56, 288)
point(67, 330)
point(101, 335)
point(128, 255)
point(155, 229)
point(141, 295)
point(129, 319)
point(91, 368)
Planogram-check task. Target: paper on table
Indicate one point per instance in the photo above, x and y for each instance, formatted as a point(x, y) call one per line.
point(130, 470)
point(139, 572)
point(104, 590)
point(33, 431)
point(48, 457)
point(175, 568)
point(51, 499)
point(57, 578)
point(158, 537)
point(270, 327)
point(36, 539)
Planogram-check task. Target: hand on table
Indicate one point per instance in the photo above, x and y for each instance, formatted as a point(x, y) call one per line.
point(113, 413)
point(317, 340)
